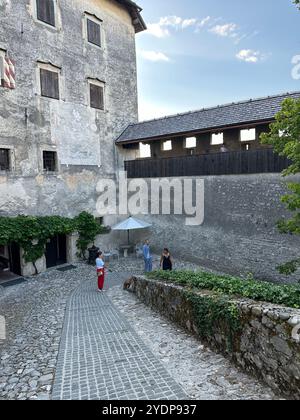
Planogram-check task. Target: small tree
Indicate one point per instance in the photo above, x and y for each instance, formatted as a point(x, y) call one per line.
point(88, 228)
point(284, 136)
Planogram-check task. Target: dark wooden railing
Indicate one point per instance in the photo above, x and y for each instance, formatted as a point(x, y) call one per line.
point(230, 163)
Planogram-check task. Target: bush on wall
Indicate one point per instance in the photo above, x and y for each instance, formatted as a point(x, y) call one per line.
point(32, 233)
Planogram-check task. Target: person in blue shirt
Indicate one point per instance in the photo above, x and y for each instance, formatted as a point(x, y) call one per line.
point(147, 257)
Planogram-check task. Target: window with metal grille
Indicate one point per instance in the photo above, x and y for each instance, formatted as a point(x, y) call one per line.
point(93, 32)
point(49, 83)
point(4, 160)
point(97, 96)
point(46, 11)
point(49, 161)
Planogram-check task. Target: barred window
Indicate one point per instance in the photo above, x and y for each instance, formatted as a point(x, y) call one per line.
point(4, 160)
point(46, 11)
point(49, 161)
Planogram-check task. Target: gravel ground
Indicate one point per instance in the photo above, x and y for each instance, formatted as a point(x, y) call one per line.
point(34, 313)
point(203, 374)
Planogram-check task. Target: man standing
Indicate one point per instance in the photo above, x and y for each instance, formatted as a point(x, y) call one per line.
point(147, 257)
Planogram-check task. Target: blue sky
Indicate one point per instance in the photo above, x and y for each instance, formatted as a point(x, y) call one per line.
point(200, 53)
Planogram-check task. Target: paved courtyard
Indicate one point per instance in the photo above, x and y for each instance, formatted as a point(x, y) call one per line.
point(102, 357)
point(64, 340)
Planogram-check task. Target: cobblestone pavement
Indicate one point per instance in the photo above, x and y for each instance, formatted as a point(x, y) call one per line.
point(34, 313)
point(203, 374)
point(101, 356)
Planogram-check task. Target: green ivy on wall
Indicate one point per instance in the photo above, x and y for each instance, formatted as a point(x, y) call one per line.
point(32, 233)
point(211, 311)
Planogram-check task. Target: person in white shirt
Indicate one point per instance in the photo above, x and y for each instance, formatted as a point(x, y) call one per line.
point(100, 271)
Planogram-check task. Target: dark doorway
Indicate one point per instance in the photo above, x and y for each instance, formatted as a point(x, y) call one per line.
point(14, 258)
point(56, 251)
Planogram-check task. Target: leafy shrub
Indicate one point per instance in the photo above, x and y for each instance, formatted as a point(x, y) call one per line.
point(287, 295)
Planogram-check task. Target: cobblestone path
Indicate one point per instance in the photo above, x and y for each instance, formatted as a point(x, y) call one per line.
point(203, 374)
point(102, 357)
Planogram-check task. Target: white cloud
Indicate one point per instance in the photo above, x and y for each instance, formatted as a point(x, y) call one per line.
point(250, 56)
point(161, 29)
point(204, 21)
point(226, 30)
point(154, 56)
point(188, 22)
point(157, 30)
point(173, 21)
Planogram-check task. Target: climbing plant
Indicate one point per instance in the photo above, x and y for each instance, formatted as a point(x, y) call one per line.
point(32, 233)
point(88, 228)
point(211, 312)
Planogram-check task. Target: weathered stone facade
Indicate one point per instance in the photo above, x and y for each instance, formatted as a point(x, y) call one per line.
point(267, 344)
point(83, 137)
point(239, 235)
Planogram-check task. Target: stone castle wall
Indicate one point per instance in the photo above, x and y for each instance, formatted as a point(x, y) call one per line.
point(267, 345)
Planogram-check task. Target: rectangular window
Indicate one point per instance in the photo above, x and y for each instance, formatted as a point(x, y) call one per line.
point(190, 142)
point(97, 96)
point(45, 10)
point(49, 161)
point(93, 32)
point(167, 146)
point(4, 160)
point(217, 139)
point(49, 83)
point(248, 135)
point(145, 150)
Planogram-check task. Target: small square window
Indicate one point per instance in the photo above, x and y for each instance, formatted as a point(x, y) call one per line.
point(45, 11)
point(97, 96)
point(217, 139)
point(190, 143)
point(93, 32)
point(167, 146)
point(248, 135)
point(49, 161)
point(4, 160)
point(145, 150)
point(49, 83)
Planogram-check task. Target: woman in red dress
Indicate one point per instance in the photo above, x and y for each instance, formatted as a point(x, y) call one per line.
point(100, 271)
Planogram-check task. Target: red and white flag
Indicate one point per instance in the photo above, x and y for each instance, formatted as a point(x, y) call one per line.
point(9, 73)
